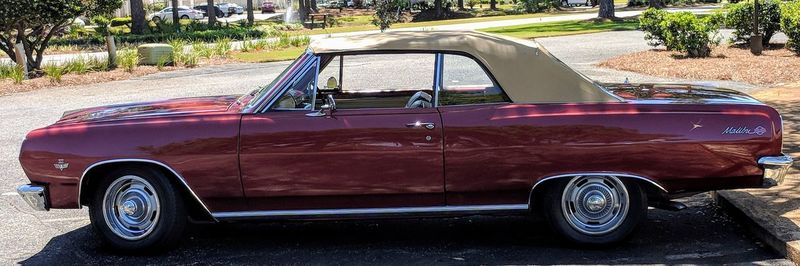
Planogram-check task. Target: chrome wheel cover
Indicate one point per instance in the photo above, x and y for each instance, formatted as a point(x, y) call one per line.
point(131, 208)
point(595, 204)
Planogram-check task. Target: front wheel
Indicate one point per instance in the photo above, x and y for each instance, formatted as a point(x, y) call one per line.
point(137, 209)
point(595, 209)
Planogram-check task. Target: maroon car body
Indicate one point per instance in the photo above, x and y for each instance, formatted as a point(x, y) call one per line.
point(267, 7)
point(233, 163)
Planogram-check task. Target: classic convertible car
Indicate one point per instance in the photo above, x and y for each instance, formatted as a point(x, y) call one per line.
point(405, 124)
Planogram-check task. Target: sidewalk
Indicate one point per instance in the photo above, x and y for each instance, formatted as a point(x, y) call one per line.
point(773, 214)
point(59, 58)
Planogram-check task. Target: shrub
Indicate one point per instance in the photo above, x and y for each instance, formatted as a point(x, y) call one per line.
point(790, 24)
point(190, 59)
point(54, 72)
point(178, 50)
point(472, 3)
point(6, 69)
point(650, 22)
point(78, 65)
point(17, 74)
point(116, 22)
point(202, 49)
point(128, 59)
point(685, 32)
point(387, 12)
point(740, 19)
point(162, 37)
point(222, 47)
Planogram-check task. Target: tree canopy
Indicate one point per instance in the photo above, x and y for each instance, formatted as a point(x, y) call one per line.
point(35, 22)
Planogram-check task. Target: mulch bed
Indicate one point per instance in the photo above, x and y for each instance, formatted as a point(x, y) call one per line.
point(776, 65)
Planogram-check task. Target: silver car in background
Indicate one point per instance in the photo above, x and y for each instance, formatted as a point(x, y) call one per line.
point(184, 12)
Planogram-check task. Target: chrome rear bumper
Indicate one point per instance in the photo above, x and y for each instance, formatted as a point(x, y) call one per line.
point(775, 169)
point(35, 196)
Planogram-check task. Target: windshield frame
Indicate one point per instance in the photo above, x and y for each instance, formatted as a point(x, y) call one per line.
point(263, 97)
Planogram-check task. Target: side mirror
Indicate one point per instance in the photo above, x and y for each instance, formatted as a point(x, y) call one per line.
point(327, 108)
point(332, 84)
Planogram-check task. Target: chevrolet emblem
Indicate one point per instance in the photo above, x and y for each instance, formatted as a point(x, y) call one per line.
point(61, 165)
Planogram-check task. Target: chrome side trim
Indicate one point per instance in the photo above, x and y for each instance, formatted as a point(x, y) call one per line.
point(35, 196)
point(183, 181)
point(530, 195)
point(360, 212)
point(775, 168)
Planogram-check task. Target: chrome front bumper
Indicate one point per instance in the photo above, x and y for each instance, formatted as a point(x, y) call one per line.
point(35, 196)
point(775, 169)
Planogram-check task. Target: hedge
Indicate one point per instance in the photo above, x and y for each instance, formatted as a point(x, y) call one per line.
point(204, 36)
point(790, 24)
point(740, 19)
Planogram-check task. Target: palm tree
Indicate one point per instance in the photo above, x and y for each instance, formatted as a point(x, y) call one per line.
point(138, 22)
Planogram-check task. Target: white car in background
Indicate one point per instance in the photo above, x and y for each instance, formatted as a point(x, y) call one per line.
point(184, 12)
point(575, 2)
point(231, 8)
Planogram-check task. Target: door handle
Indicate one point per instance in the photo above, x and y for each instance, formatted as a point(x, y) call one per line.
point(422, 124)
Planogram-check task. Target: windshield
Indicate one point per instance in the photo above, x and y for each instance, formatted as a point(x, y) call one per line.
point(266, 92)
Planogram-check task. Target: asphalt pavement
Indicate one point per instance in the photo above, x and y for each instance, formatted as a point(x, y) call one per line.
point(700, 234)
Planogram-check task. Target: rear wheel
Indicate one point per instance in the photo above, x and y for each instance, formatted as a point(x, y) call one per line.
point(184, 17)
point(137, 209)
point(595, 209)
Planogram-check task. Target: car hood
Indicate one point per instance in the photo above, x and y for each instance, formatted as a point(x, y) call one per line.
point(678, 93)
point(150, 109)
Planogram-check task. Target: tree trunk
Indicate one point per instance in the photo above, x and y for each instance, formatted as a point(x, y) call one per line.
point(250, 17)
point(138, 22)
point(437, 5)
point(175, 19)
point(658, 4)
point(461, 5)
point(212, 12)
point(314, 5)
point(493, 4)
point(606, 9)
point(302, 11)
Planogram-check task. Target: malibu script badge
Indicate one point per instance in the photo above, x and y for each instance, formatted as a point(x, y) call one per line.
point(759, 130)
point(61, 165)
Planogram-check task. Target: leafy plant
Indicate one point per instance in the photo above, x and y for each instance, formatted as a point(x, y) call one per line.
point(54, 72)
point(472, 3)
point(128, 59)
point(202, 49)
point(17, 74)
point(387, 12)
point(650, 22)
point(685, 32)
point(190, 59)
point(790, 24)
point(78, 65)
point(178, 50)
point(37, 22)
point(222, 47)
point(740, 19)
point(162, 61)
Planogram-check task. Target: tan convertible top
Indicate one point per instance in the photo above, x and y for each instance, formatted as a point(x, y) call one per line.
point(525, 70)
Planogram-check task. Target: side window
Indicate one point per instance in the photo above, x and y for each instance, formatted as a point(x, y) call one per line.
point(379, 80)
point(464, 81)
point(300, 94)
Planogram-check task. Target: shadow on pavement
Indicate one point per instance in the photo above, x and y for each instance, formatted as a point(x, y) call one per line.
point(698, 234)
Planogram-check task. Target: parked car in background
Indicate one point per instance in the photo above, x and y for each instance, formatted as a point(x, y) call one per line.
point(456, 123)
point(575, 2)
point(184, 12)
point(267, 7)
point(231, 8)
point(204, 8)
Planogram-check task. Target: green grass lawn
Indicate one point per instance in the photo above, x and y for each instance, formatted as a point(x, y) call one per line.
point(561, 28)
point(269, 56)
point(435, 22)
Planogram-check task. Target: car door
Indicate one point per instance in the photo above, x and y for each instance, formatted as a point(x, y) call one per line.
point(371, 152)
point(482, 155)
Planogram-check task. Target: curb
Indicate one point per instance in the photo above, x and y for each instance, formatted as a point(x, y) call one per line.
point(777, 232)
